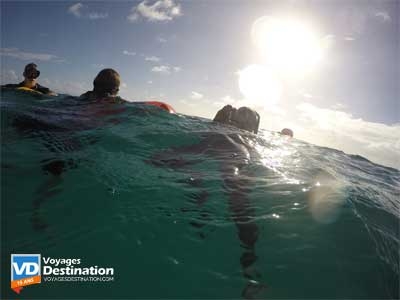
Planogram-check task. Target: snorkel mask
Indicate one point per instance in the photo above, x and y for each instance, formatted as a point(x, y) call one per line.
point(31, 72)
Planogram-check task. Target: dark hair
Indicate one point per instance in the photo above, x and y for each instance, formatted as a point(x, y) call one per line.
point(287, 131)
point(31, 68)
point(251, 115)
point(228, 115)
point(107, 82)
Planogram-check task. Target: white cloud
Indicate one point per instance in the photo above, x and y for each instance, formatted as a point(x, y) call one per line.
point(383, 16)
point(16, 53)
point(133, 17)
point(340, 130)
point(98, 66)
point(80, 11)
point(152, 58)
point(165, 69)
point(150, 82)
point(95, 15)
point(9, 76)
point(339, 106)
point(76, 9)
point(124, 85)
point(349, 38)
point(161, 69)
point(159, 11)
point(126, 52)
point(196, 96)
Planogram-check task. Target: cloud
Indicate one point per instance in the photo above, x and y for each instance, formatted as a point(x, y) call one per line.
point(126, 52)
point(164, 69)
point(98, 66)
point(339, 106)
point(76, 9)
point(340, 130)
point(18, 54)
point(95, 15)
point(383, 16)
point(161, 69)
point(152, 58)
point(196, 96)
point(80, 11)
point(160, 11)
point(9, 76)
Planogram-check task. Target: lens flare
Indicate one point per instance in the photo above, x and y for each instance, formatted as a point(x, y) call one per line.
point(326, 198)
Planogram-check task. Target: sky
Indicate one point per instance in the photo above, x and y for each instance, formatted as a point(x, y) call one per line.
point(195, 55)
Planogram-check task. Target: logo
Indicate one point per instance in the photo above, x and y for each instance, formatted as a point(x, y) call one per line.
point(25, 270)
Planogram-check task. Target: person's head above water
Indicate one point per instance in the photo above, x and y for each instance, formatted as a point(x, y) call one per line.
point(31, 73)
point(287, 131)
point(243, 118)
point(107, 83)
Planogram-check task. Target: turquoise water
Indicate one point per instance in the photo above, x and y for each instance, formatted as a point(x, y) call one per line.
point(183, 208)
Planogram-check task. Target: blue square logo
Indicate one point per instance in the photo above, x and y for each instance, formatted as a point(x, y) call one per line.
point(25, 269)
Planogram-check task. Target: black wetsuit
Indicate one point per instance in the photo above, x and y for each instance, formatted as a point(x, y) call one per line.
point(94, 96)
point(40, 88)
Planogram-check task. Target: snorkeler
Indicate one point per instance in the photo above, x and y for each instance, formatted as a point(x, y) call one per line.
point(31, 74)
point(287, 131)
point(243, 118)
point(233, 152)
point(105, 87)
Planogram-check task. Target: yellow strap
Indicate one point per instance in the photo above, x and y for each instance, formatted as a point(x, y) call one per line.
point(25, 89)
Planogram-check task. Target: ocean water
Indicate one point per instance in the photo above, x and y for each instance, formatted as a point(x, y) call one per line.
point(183, 208)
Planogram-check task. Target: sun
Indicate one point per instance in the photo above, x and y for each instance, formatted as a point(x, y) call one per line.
point(288, 46)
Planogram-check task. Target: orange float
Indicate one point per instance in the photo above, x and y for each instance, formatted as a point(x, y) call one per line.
point(162, 105)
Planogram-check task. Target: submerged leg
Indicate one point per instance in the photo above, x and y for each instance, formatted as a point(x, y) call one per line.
point(242, 213)
point(50, 188)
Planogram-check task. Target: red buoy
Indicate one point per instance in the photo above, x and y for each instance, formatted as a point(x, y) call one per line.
point(162, 105)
